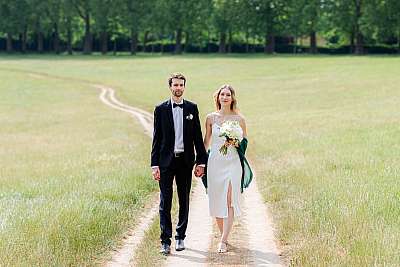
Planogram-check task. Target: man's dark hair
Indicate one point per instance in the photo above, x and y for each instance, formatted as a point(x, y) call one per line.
point(176, 75)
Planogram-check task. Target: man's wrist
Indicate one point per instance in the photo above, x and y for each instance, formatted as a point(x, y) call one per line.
point(154, 167)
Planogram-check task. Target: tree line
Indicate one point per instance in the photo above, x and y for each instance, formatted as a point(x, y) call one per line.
point(205, 25)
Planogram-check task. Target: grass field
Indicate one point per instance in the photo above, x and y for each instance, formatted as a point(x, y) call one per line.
point(323, 135)
point(73, 173)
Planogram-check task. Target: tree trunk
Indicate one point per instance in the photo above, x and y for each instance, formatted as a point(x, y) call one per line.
point(247, 42)
point(23, 41)
point(352, 42)
point(69, 39)
point(398, 41)
point(40, 42)
point(222, 42)
point(162, 48)
point(269, 47)
point(69, 35)
point(56, 39)
point(145, 37)
point(359, 38)
point(187, 41)
point(87, 47)
point(208, 41)
point(115, 47)
point(134, 41)
point(313, 42)
point(104, 42)
point(9, 43)
point(359, 44)
point(178, 42)
point(230, 41)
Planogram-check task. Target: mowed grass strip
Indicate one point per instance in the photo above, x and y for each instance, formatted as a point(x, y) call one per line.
point(323, 132)
point(73, 173)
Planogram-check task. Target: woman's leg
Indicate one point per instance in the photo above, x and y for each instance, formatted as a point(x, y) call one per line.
point(228, 222)
point(220, 223)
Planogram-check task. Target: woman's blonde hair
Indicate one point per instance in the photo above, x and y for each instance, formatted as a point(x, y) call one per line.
point(233, 96)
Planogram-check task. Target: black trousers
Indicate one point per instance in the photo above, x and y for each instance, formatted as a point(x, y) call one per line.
point(183, 180)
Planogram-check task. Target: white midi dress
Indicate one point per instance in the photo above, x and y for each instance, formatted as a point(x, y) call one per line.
point(222, 170)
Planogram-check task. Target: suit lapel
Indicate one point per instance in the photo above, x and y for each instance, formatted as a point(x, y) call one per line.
point(185, 114)
point(170, 116)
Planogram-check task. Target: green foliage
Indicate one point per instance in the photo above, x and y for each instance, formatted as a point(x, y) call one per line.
point(79, 22)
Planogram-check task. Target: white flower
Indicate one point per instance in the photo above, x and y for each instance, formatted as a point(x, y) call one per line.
point(232, 132)
point(189, 117)
point(231, 129)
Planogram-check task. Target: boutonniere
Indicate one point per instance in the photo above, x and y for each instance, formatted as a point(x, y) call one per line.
point(189, 117)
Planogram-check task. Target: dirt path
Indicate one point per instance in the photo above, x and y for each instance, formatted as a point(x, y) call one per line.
point(107, 96)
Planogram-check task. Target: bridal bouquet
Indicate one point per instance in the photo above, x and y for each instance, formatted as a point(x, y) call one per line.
point(231, 131)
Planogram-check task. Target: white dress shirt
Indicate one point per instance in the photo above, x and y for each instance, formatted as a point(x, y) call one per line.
point(177, 114)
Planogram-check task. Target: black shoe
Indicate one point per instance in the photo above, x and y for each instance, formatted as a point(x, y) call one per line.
point(180, 245)
point(165, 249)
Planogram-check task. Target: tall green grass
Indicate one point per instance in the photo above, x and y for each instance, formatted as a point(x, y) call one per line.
point(323, 135)
point(73, 173)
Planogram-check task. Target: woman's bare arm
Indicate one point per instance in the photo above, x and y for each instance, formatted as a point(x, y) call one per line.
point(242, 123)
point(207, 136)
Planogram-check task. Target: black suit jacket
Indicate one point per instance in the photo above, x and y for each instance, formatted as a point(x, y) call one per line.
point(164, 135)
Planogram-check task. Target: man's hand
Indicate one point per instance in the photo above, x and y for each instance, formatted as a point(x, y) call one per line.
point(155, 171)
point(199, 171)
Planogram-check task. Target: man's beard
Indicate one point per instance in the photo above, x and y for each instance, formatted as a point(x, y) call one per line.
point(178, 93)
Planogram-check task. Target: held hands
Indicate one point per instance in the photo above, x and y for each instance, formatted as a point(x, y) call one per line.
point(199, 171)
point(155, 171)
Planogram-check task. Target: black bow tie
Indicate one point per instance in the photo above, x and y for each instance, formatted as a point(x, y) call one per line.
point(174, 105)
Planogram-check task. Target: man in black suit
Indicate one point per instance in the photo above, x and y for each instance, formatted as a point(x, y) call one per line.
point(177, 132)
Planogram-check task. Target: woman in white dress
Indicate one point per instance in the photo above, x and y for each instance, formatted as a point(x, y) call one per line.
point(224, 172)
